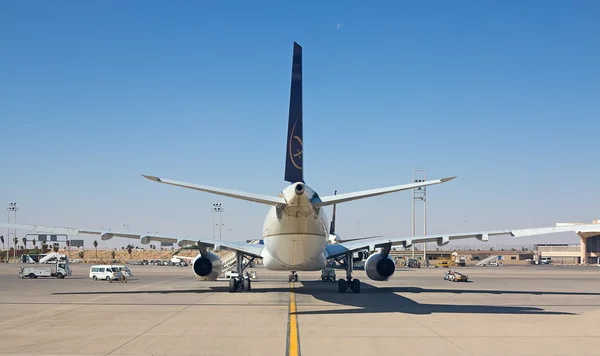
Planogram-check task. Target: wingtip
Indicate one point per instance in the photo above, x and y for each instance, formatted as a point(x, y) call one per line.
point(447, 179)
point(156, 179)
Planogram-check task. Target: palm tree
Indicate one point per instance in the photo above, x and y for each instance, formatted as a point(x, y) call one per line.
point(16, 240)
point(25, 243)
point(33, 242)
point(96, 248)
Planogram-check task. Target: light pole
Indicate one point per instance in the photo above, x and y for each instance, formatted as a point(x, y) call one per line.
point(217, 208)
point(11, 207)
point(233, 232)
point(419, 194)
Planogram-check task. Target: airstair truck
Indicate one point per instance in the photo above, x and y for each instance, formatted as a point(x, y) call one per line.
point(59, 270)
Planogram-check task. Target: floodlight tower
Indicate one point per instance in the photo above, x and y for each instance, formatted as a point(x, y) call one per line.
point(217, 208)
point(419, 194)
point(12, 206)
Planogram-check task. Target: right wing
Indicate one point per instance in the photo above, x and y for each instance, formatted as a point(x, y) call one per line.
point(249, 249)
point(335, 250)
point(341, 198)
point(257, 198)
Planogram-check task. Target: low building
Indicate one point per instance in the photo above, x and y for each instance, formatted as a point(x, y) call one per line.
point(564, 254)
point(471, 257)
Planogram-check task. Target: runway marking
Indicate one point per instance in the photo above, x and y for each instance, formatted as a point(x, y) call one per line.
point(293, 335)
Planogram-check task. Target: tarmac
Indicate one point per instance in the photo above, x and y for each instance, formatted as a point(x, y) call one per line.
point(521, 310)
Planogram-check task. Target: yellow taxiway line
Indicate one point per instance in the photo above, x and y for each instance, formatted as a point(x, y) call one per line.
point(293, 338)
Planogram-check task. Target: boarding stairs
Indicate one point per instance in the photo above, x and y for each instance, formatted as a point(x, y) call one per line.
point(489, 261)
point(228, 259)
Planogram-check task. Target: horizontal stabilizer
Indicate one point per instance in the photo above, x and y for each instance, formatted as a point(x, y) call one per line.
point(341, 198)
point(257, 198)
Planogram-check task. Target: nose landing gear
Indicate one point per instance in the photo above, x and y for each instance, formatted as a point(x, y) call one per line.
point(293, 277)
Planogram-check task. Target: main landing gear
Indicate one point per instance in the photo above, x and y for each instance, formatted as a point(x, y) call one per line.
point(349, 282)
point(293, 277)
point(241, 282)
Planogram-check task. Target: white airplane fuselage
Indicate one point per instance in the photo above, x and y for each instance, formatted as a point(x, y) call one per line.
point(295, 235)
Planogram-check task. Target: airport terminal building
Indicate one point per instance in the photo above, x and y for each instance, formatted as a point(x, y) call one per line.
point(587, 252)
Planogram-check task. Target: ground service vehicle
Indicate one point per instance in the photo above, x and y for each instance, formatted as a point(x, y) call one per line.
point(106, 272)
point(328, 274)
point(59, 270)
point(454, 276)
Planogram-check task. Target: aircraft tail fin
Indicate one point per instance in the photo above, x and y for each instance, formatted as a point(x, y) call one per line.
point(294, 153)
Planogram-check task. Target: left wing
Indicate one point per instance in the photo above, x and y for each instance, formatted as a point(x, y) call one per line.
point(335, 250)
point(249, 249)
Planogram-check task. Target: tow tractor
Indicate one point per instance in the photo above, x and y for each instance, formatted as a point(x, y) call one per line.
point(328, 274)
point(454, 276)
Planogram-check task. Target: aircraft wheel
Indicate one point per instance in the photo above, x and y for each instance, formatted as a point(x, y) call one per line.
point(247, 285)
point(356, 286)
point(232, 285)
point(342, 285)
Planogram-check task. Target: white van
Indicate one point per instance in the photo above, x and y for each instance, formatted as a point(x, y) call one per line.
point(106, 272)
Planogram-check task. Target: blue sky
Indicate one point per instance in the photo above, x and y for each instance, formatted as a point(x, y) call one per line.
point(503, 94)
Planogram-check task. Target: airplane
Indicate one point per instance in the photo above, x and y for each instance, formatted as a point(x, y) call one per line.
point(295, 236)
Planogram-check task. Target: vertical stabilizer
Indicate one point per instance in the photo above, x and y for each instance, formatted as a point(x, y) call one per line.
point(294, 153)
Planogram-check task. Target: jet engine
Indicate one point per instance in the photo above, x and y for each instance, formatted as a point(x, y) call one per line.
point(208, 267)
point(379, 268)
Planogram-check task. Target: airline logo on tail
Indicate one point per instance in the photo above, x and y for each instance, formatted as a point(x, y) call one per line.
point(295, 147)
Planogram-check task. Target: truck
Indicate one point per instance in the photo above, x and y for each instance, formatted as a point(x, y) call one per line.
point(59, 270)
point(460, 261)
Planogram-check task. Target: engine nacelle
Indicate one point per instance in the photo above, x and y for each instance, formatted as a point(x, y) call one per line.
point(208, 267)
point(379, 268)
